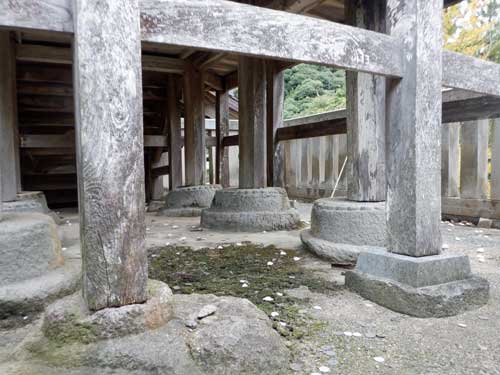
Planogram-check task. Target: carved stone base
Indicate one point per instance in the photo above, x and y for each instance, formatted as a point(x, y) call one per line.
point(33, 271)
point(250, 210)
point(189, 201)
point(341, 229)
point(432, 286)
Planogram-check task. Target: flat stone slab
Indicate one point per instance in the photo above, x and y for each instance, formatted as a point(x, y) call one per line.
point(437, 287)
point(29, 247)
point(189, 201)
point(339, 254)
point(70, 316)
point(237, 338)
point(250, 210)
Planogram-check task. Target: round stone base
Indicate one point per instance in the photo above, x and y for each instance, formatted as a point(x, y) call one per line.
point(250, 210)
point(339, 254)
point(189, 201)
point(33, 271)
point(341, 229)
point(70, 319)
point(28, 201)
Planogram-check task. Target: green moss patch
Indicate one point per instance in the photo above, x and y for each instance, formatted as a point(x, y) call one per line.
point(224, 272)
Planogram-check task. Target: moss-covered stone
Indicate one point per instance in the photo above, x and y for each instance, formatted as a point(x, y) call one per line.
point(224, 271)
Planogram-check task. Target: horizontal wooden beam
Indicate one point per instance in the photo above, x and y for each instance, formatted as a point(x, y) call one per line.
point(230, 140)
point(227, 26)
point(160, 171)
point(468, 73)
point(311, 130)
point(67, 141)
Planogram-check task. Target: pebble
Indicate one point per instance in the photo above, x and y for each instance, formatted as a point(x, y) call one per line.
point(64, 249)
point(379, 359)
point(480, 250)
point(462, 325)
point(244, 285)
point(243, 281)
point(445, 246)
point(296, 259)
point(279, 294)
point(368, 304)
point(283, 324)
point(274, 314)
point(220, 247)
point(270, 263)
point(268, 299)
point(169, 234)
point(148, 229)
point(167, 243)
point(324, 369)
point(370, 335)
point(182, 239)
point(348, 334)
point(296, 367)
point(239, 244)
point(357, 334)
point(175, 227)
point(191, 324)
point(457, 238)
point(207, 310)
point(282, 253)
point(317, 307)
point(25, 317)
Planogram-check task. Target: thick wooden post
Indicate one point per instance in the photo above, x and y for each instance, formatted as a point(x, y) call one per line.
point(414, 130)
point(252, 123)
point(9, 143)
point(495, 161)
point(275, 100)
point(474, 159)
point(221, 131)
point(174, 133)
point(194, 125)
point(365, 170)
point(110, 153)
point(450, 159)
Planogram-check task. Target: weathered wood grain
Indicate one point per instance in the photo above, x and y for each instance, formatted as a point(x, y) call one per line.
point(275, 100)
point(110, 156)
point(365, 169)
point(414, 130)
point(252, 122)
point(67, 140)
point(174, 133)
point(469, 73)
point(239, 28)
point(474, 159)
point(221, 131)
point(9, 151)
point(50, 15)
point(495, 161)
point(194, 126)
point(450, 168)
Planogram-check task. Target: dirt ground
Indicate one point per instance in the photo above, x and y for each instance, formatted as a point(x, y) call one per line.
point(347, 334)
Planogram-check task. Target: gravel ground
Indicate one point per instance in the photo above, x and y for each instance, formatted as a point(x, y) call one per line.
point(352, 331)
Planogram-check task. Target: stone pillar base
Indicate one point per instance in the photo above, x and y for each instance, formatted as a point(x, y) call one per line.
point(70, 318)
point(189, 201)
point(341, 229)
point(33, 271)
point(431, 286)
point(250, 210)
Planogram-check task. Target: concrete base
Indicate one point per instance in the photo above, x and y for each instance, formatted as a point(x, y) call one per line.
point(33, 270)
point(70, 315)
point(341, 229)
point(432, 286)
point(250, 210)
point(189, 201)
point(30, 201)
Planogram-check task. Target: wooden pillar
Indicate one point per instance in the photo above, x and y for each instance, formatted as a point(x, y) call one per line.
point(9, 139)
point(450, 159)
point(174, 133)
point(221, 131)
point(110, 152)
point(474, 159)
point(365, 170)
point(194, 125)
point(495, 161)
point(414, 130)
point(252, 123)
point(275, 105)
point(342, 153)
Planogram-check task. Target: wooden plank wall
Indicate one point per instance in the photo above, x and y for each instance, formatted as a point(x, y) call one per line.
point(45, 106)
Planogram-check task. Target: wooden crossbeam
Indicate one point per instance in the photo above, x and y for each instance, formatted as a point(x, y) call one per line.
point(239, 28)
point(67, 141)
point(468, 73)
point(250, 30)
point(293, 6)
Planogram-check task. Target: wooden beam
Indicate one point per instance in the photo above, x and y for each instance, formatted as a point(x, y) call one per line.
point(160, 171)
point(230, 140)
point(67, 141)
point(311, 130)
point(221, 131)
point(231, 80)
point(469, 73)
point(174, 133)
point(244, 29)
point(294, 6)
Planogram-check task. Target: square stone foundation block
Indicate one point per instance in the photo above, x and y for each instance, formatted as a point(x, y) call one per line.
point(432, 286)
